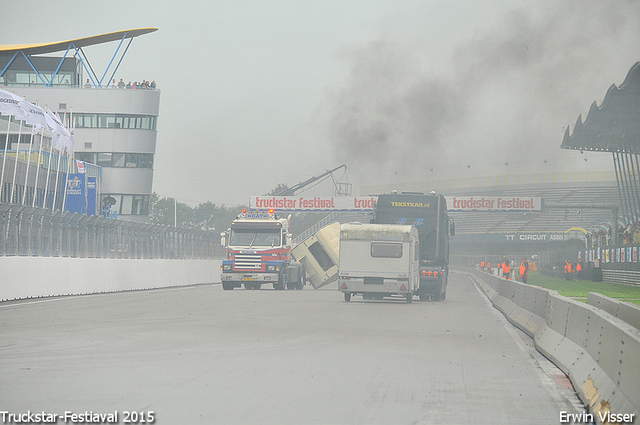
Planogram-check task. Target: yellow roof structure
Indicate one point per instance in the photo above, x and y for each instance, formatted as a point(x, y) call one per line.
point(61, 46)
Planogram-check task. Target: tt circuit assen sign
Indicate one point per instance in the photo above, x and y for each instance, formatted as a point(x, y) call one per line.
point(302, 203)
point(494, 203)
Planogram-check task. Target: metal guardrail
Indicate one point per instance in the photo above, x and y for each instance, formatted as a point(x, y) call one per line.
point(27, 231)
point(340, 216)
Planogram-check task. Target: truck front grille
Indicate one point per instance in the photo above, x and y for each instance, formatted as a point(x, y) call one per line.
point(248, 261)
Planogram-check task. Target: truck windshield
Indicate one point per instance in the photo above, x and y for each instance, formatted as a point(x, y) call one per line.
point(254, 237)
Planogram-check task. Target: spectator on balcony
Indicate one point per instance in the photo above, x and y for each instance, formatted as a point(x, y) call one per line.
point(121, 84)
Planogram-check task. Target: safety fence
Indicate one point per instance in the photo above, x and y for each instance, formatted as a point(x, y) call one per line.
point(28, 231)
point(612, 263)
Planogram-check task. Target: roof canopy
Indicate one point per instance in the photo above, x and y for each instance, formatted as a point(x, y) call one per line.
point(28, 51)
point(61, 46)
point(613, 126)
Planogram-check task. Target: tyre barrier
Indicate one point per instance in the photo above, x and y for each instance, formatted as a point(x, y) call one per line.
point(598, 351)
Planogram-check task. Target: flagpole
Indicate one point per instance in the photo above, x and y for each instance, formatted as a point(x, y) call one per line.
point(4, 156)
point(46, 186)
point(55, 190)
point(33, 111)
point(35, 193)
point(26, 175)
point(15, 167)
point(66, 180)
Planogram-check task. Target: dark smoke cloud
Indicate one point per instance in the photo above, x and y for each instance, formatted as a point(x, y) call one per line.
point(509, 91)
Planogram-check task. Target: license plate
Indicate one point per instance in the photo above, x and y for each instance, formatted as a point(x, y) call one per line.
point(248, 278)
point(373, 281)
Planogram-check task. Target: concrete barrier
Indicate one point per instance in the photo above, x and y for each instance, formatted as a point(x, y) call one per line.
point(31, 277)
point(598, 351)
point(627, 312)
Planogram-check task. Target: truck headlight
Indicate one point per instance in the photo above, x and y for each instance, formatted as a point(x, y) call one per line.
point(272, 268)
point(226, 267)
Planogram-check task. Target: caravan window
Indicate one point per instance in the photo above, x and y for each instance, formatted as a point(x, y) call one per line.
point(321, 256)
point(386, 249)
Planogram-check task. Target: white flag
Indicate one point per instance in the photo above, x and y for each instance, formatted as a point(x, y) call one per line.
point(34, 115)
point(9, 104)
point(69, 143)
point(59, 132)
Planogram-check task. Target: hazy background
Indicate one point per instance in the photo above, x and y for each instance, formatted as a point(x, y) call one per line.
point(257, 93)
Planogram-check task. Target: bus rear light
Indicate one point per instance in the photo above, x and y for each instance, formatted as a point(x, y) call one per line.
point(435, 274)
point(424, 272)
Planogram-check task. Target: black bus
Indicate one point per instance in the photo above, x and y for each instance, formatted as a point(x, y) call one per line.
point(429, 214)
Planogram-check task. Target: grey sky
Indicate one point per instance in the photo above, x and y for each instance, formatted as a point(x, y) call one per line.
point(256, 93)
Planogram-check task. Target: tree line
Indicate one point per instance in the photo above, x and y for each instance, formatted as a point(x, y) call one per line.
point(211, 217)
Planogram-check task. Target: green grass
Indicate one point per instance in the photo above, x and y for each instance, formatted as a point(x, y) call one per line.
point(580, 289)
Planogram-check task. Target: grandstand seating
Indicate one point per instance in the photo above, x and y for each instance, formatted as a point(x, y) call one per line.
point(552, 219)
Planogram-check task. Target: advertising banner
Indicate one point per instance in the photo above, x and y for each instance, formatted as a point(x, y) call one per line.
point(76, 192)
point(518, 238)
point(494, 203)
point(304, 203)
point(635, 254)
point(367, 203)
point(92, 196)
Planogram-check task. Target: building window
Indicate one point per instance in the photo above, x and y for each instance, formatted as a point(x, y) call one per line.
point(116, 159)
point(137, 122)
point(128, 204)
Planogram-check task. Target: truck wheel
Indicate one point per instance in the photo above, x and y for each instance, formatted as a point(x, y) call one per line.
point(409, 298)
point(347, 296)
point(282, 282)
point(227, 286)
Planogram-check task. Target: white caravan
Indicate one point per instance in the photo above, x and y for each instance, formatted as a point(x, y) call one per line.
point(378, 260)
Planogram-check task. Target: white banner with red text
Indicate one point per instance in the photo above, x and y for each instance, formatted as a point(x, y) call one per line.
point(313, 203)
point(494, 203)
point(367, 203)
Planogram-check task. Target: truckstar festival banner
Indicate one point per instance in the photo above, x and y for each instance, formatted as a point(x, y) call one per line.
point(367, 203)
point(303, 203)
point(494, 203)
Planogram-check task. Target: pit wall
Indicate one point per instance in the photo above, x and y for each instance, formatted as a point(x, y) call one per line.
point(598, 351)
point(32, 277)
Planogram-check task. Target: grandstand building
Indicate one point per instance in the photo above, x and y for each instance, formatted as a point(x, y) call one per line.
point(115, 127)
point(578, 206)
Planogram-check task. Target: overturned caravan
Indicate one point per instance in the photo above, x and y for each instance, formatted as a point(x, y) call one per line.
point(378, 261)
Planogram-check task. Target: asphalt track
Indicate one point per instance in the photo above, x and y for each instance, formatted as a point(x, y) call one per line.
point(201, 355)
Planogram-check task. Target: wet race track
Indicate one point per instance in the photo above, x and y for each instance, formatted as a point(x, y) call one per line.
point(201, 355)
